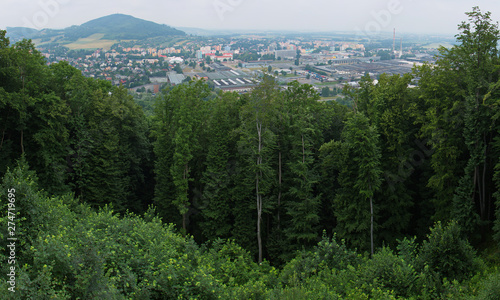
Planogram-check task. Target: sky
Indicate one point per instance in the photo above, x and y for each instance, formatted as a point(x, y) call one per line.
point(363, 16)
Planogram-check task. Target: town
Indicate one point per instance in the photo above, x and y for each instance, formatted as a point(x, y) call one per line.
point(234, 63)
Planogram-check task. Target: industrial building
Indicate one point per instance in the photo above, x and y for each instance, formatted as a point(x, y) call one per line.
point(230, 80)
point(285, 54)
point(175, 78)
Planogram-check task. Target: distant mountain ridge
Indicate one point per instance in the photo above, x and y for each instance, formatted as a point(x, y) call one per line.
point(114, 27)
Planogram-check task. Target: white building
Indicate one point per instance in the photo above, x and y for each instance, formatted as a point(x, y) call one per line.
point(175, 60)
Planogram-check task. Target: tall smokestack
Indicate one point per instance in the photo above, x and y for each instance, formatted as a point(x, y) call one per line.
point(394, 42)
point(401, 49)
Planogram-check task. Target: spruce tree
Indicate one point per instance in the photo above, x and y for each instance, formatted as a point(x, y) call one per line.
point(359, 178)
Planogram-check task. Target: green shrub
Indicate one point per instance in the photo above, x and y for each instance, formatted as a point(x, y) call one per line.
point(447, 254)
point(408, 250)
point(328, 254)
point(387, 270)
point(490, 288)
point(315, 289)
point(229, 263)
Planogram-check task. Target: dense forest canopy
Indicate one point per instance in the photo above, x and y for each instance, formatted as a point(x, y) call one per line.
point(265, 195)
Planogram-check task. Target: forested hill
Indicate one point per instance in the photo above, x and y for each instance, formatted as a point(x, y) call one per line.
point(121, 27)
point(113, 27)
point(267, 195)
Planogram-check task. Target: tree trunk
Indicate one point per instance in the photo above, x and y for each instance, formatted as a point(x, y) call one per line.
point(184, 215)
point(303, 151)
point(279, 186)
point(371, 225)
point(3, 136)
point(259, 197)
point(22, 141)
point(474, 185)
point(486, 215)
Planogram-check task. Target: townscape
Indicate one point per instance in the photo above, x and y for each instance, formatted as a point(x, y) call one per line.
point(230, 62)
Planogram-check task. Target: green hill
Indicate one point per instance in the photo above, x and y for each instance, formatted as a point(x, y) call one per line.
point(121, 27)
point(18, 33)
point(112, 27)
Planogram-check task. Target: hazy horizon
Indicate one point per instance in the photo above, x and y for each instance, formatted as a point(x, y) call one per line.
point(365, 17)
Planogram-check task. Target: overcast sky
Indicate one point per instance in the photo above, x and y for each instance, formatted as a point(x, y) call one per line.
point(368, 16)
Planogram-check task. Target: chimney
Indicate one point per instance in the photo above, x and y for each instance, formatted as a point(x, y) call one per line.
point(394, 42)
point(401, 49)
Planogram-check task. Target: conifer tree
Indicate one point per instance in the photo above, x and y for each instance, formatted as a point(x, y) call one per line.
point(476, 58)
point(302, 202)
point(217, 199)
point(179, 124)
point(359, 178)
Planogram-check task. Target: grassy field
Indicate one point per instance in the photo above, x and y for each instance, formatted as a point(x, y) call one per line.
point(327, 83)
point(38, 42)
point(334, 98)
point(94, 41)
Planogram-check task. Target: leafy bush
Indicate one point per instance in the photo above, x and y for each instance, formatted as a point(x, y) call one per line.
point(447, 254)
point(490, 288)
point(408, 250)
point(313, 289)
point(328, 254)
point(389, 271)
point(230, 263)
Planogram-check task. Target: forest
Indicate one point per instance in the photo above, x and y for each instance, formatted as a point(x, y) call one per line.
point(266, 195)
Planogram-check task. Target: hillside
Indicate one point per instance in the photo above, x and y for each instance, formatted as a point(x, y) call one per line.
point(18, 33)
point(112, 27)
point(119, 26)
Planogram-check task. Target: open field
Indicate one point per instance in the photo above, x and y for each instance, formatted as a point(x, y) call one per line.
point(325, 99)
point(92, 42)
point(41, 42)
point(327, 83)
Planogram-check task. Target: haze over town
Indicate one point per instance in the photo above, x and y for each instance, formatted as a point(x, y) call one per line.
point(436, 17)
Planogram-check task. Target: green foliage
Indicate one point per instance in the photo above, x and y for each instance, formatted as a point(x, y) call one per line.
point(490, 288)
point(218, 176)
point(359, 178)
point(90, 254)
point(496, 195)
point(109, 149)
point(72, 251)
point(456, 100)
point(389, 105)
point(33, 118)
point(327, 255)
point(22, 184)
point(478, 55)
point(314, 288)
point(407, 250)
point(390, 271)
point(441, 116)
point(256, 145)
point(179, 130)
point(446, 254)
point(78, 134)
point(325, 92)
point(302, 205)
